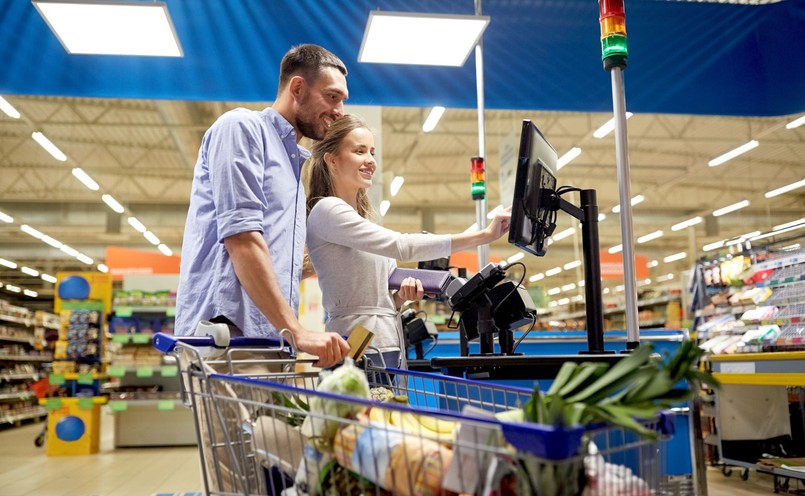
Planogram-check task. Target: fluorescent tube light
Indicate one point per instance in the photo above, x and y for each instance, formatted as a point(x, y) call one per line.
point(152, 238)
point(49, 147)
point(675, 257)
point(569, 287)
point(6, 218)
point(644, 282)
point(48, 278)
point(795, 246)
point(730, 208)
point(581, 283)
point(8, 109)
point(28, 292)
point(735, 241)
point(563, 301)
point(112, 27)
point(563, 234)
point(666, 277)
point(552, 272)
point(795, 123)
point(687, 223)
point(554, 291)
point(31, 272)
point(601, 217)
point(384, 207)
point(568, 157)
point(87, 181)
point(136, 224)
point(606, 291)
point(31, 231)
point(648, 237)
point(517, 256)
point(713, 246)
point(396, 184)
point(652, 264)
point(13, 289)
point(433, 119)
point(733, 153)
point(619, 288)
point(785, 189)
point(8, 263)
point(616, 249)
point(577, 298)
point(788, 224)
point(608, 127)
point(55, 243)
point(634, 201)
point(536, 277)
point(113, 204)
point(103, 268)
point(421, 39)
point(779, 231)
point(70, 251)
point(572, 265)
point(83, 258)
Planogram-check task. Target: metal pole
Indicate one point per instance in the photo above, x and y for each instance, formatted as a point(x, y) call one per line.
point(592, 272)
point(625, 195)
point(480, 205)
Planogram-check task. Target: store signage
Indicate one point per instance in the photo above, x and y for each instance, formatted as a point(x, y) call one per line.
point(125, 261)
point(612, 266)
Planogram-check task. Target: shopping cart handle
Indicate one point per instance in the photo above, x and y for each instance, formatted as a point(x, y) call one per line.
point(166, 343)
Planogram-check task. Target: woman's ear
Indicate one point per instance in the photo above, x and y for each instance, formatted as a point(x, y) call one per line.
point(328, 159)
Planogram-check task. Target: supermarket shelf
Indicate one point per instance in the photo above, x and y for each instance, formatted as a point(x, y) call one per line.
point(620, 308)
point(763, 369)
point(17, 377)
point(10, 419)
point(18, 320)
point(26, 358)
point(20, 395)
point(137, 338)
point(144, 402)
point(651, 323)
point(125, 310)
point(17, 339)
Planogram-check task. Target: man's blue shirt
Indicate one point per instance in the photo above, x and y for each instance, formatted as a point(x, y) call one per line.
point(247, 178)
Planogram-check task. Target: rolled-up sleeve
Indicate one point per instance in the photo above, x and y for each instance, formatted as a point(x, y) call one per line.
point(236, 168)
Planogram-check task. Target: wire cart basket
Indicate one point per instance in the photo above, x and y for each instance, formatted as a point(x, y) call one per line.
point(264, 428)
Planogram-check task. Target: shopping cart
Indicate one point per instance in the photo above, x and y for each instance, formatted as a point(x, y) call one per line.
point(434, 435)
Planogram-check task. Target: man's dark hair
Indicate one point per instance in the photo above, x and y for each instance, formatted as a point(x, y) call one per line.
point(308, 61)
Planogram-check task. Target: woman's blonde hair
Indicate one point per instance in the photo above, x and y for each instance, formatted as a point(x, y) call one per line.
point(319, 180)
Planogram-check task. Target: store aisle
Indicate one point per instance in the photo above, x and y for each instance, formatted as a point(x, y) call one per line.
point(25, 470)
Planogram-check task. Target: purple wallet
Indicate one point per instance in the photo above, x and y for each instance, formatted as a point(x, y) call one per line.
point(433, 281)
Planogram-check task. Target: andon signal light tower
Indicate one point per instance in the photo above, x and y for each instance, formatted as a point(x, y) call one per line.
point(614, 54)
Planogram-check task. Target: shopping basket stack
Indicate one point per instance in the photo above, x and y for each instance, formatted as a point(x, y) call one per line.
point(278, 432)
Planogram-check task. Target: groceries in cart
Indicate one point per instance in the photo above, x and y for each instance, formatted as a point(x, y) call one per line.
point(596, 431)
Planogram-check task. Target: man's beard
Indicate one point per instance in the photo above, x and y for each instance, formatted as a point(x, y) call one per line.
point(309, 125)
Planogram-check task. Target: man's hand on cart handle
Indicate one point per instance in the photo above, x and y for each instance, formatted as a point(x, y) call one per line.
point(328, 346)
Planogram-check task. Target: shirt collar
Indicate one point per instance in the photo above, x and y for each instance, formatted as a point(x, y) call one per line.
point(284, 129)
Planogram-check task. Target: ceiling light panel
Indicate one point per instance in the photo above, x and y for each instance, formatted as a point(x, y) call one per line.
point(420, 39)
point(112, 28)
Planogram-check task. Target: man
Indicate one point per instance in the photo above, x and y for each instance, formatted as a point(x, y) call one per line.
point(245, 233)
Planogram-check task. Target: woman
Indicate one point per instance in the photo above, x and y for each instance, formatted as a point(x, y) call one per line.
point(353, 256)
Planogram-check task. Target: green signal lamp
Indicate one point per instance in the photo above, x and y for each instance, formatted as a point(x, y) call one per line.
point(612, 18)
point(478, 178)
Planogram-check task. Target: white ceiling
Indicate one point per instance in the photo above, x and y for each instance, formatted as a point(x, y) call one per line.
point(143, 151)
